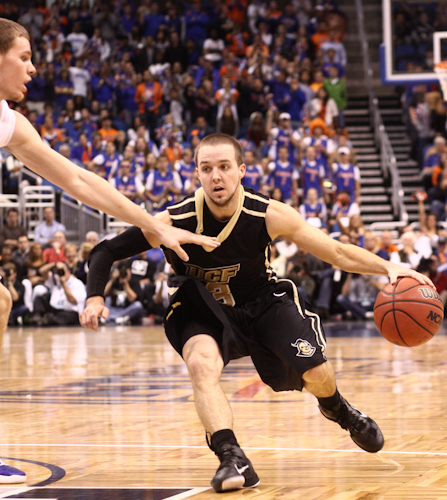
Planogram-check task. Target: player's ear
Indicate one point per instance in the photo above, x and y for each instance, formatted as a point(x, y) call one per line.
point(242, 169)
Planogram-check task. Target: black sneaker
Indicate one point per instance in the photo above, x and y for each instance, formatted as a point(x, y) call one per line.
point(235, 471)
point(364, 431)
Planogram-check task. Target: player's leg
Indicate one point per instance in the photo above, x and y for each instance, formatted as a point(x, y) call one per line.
point(8, 474)
point(205, 364)
point(365, 433)
point(291, 356)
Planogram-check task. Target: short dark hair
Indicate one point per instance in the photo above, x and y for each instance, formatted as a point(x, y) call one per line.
point(219, 138)
point(12, 209)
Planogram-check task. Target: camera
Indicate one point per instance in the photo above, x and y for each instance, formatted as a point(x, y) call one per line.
point(60, 271)
point(6, 273)
point(123, 272)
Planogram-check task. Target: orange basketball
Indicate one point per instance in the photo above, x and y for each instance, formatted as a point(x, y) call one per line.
point(408, 313)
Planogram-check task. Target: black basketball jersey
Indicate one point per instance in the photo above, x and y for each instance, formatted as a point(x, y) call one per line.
point(238, 270)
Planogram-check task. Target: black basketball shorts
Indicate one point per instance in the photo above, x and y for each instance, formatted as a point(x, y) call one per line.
point(279, 331)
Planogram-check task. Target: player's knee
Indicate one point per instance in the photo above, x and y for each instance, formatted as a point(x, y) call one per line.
point(203, 367)
point(318, 374)
point(5, 300)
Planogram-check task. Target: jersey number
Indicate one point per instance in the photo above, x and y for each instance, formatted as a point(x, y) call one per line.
point(221, 293)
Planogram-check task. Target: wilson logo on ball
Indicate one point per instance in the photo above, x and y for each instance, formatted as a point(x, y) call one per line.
point(428, 293)
point(437, 318)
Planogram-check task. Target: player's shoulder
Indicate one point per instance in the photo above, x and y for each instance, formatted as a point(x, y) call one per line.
point(255, 202)
point(184, 209)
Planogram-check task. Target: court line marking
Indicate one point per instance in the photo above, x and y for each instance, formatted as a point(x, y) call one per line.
point(164, 446)
point(180, 496)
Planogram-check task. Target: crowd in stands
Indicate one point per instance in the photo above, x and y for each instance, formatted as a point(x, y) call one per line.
point(128, 89)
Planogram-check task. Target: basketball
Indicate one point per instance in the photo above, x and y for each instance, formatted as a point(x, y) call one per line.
point(408, 313)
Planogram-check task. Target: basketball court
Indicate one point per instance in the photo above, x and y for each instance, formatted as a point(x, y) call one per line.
point(110, 415)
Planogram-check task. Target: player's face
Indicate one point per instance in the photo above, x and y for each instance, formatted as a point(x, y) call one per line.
point(219, 173)
point(16, 69)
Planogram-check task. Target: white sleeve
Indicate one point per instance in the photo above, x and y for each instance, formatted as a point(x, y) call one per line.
point(274, 132)
point(112, 182)
point(272, 166)
point(177, 166)
point(357, 173)
point(177, 181)
point(335, 168)
point(99, 160)
point(302, 210)
point(139, 185)
point(354, 209)
point(150, 182)
point(7, 123)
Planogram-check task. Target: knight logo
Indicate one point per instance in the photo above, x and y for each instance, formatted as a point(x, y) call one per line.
point(428, 293)
point(435, 317)
point(305, 349)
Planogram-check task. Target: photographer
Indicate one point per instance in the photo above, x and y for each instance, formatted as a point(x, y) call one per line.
point(64, 302)
point(17, 291)
point(123, 294)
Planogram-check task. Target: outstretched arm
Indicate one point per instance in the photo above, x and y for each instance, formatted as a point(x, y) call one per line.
point(282, 220)
point(125, 245)
point(27, 146)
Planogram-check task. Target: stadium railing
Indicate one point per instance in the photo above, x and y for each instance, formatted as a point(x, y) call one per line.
point(382, 141)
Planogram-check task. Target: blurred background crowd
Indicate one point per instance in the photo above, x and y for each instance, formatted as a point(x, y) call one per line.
point(127, 89)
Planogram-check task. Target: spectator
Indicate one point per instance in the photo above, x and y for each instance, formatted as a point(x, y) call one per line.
point(359, 293)
point(123, 295)
point(254, 174)
point(407, 256)
point(313, 210)
point(21, 254)
point(106, 163)
point(92, 237)
point(44, 232)
point(346, 175)
point(71, 257)
point(129, 185)
point(12, 230)
point(55, 253)
point(162, 185)
point(64, 302)
point(324, 107)
point(285, 176)
point(336, 89)
point(371, 243)
point(387, 243)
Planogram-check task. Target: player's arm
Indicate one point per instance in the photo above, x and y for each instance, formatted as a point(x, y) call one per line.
point(27, 146)
point(125, 245)
point(284, 221)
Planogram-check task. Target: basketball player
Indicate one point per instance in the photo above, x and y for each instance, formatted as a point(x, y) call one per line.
point(17, 133)
point(229, 303)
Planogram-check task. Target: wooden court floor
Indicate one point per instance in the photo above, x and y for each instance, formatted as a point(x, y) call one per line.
point(110, 415)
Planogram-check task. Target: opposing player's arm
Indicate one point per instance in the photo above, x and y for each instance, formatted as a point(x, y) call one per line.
point(27, 146)
point(284, 221)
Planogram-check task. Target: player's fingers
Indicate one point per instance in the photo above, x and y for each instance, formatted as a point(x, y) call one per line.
point(105, 313)
point(180, 252)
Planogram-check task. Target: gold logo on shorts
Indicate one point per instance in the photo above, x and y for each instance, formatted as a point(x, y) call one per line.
point(305, 348)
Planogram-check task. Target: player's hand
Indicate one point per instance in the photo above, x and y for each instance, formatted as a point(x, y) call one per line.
point(399, 272)
point(94, 309)
point(173, 237)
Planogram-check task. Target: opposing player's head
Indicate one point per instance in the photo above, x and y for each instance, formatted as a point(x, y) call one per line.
point(220, 167)
point(16, 67)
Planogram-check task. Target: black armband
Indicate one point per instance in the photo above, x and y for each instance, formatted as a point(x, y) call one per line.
point(123, 246)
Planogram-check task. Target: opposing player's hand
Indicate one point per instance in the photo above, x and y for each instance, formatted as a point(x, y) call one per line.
point(399, 272)
point(94, 309)
point(173, 237)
